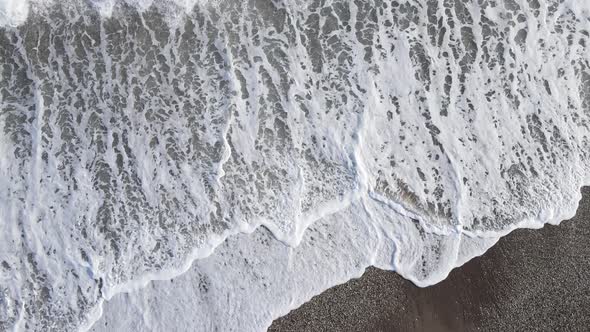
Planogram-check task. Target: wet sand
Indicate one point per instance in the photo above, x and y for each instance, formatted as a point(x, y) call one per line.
point(531, 280)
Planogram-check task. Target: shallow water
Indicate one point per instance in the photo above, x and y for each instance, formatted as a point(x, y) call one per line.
point(410, 135)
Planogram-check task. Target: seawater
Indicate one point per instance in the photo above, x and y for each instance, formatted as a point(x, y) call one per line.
point(271, 149)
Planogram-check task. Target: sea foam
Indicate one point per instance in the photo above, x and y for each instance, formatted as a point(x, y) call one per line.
point(269, 150)
point(13, 12)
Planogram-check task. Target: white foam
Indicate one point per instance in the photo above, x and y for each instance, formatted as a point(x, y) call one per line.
point(247, 291)
point(13, 12)
point(579, 7)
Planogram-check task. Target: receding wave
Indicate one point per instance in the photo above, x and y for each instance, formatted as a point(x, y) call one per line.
point(136, 137)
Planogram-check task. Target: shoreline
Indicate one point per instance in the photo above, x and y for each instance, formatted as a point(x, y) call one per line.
point(532, 279)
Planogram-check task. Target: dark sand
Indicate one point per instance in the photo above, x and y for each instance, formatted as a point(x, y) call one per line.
point(531, 280)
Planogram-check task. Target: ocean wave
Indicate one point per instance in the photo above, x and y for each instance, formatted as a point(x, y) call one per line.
point(139, 137)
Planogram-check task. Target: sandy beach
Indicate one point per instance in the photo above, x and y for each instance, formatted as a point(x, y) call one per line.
point(531, 280)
